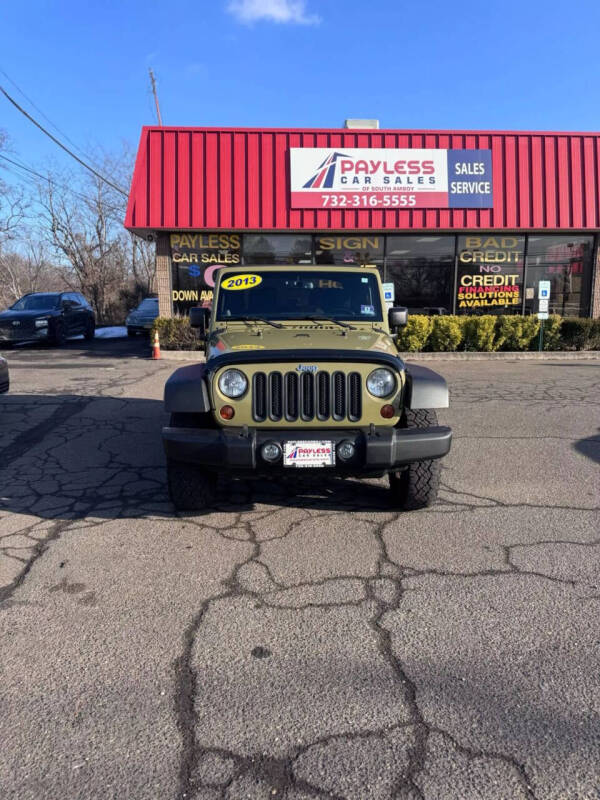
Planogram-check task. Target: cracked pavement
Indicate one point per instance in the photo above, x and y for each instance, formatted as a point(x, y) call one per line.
point(300, 640)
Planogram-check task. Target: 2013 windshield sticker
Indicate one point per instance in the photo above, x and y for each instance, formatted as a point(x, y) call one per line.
point(369, 310)
point(239, 282)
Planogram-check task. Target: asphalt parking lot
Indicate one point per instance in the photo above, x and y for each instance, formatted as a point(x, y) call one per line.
point(300, 640)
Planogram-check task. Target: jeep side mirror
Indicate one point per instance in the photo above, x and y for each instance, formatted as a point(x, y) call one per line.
point(397, 317)
point(199, 319)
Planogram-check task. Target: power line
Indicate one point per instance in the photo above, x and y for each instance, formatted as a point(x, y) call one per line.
point(32, 181)
point(48, 179)
point(61, 145)
point(39, 110)
point(89, 157)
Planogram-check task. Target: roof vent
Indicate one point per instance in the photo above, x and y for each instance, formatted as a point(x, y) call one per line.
point(361, 123)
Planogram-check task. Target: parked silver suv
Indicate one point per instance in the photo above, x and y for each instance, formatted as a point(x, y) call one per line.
point(140, 319)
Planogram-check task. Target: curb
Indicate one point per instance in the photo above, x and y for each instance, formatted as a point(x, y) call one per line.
point(182, 355)
point(546, 355)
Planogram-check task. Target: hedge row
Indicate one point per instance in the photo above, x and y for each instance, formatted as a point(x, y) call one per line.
point(490, 333)
point(176, 334)
point(445, 333)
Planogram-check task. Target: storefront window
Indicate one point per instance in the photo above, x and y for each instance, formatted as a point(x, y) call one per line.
point(489, 274)
point(348, 249)
point(422, 270)
point(470, 274)
point(277, 249)
point(565, 261)
point(195, 257)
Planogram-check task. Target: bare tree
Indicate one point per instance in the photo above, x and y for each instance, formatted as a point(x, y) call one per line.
point(12, 205)
point(75, 239)
point(143, 266)
point(27, 270)
point(82, 220)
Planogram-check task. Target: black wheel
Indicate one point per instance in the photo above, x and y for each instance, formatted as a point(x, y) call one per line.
point(90, 330)
point(190, 487)
point(58, 337)
point(130, 332)
point(416, 486)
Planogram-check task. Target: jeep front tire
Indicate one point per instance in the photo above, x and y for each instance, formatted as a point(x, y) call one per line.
point(190, 487)
point(416, 486)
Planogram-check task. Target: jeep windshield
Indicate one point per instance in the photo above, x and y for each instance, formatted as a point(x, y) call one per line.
point(299, 295)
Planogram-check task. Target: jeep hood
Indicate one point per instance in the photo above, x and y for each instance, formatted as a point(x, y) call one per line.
point(299, 338)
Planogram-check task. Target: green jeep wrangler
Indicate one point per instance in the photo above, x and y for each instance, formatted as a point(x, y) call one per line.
point(302, 372)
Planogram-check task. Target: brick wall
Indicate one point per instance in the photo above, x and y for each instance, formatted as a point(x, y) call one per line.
point(163, 275)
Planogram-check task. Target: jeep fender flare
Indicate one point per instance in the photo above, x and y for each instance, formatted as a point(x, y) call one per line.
point(186, 391)
point(425, 388)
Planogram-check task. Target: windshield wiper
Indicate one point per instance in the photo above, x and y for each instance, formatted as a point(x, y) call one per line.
point(254, 319)
point(331, 319)
point(380, 330)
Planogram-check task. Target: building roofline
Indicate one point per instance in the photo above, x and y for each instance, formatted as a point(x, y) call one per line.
point(370, 131)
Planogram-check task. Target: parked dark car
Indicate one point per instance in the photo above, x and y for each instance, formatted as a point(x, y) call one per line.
point(4, 380)
point(140, 319)
point(47, 317)
point(429, 311)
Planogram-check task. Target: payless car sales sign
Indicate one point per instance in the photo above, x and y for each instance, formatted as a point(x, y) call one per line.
point(386, 178)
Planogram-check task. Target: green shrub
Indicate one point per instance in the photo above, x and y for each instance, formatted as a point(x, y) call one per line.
point(575, 333)
point(515, 333)
point(446, 334)
point(552, 328)
point(488, 333)
point(502, 332)
point(480, 333)
point(594, 342)
point(176, 334)
point(529, 330)
point(414, 335)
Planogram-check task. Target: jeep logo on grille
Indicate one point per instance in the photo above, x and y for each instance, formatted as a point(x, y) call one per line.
point(307, 368)
point(16, 322)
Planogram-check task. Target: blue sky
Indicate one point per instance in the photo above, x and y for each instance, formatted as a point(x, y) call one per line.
point(462, 65)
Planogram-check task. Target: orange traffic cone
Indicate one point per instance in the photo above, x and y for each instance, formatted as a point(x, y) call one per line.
point(156, 346)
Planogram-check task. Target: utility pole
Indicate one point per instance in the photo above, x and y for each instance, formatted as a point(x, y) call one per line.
point(153, 83)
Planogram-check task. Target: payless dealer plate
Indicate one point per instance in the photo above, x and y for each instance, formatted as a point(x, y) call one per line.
point(308, 454)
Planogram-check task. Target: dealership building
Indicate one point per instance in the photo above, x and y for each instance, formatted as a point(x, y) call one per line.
point(463, 222)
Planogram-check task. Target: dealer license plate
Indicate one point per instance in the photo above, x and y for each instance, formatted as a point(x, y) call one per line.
point(308, 454)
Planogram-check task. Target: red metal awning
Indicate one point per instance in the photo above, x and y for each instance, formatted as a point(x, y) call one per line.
point(238, 179)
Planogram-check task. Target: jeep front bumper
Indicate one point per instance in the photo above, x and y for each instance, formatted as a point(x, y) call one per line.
point(377, 449)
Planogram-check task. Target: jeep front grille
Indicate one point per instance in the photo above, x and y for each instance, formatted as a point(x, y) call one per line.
point(292, 396)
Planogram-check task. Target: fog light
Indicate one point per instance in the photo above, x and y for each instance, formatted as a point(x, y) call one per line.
point(271, 451)
point(346, 451)
point(387, 411)
point(227, 412)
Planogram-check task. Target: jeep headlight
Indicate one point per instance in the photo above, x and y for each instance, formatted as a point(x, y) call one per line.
point(381, 382)
point(42, 322)
point(233, 383)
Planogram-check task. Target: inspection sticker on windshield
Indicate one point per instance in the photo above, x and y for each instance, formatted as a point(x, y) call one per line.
point(238, 282)
point(367, 310)
point(308, 454)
